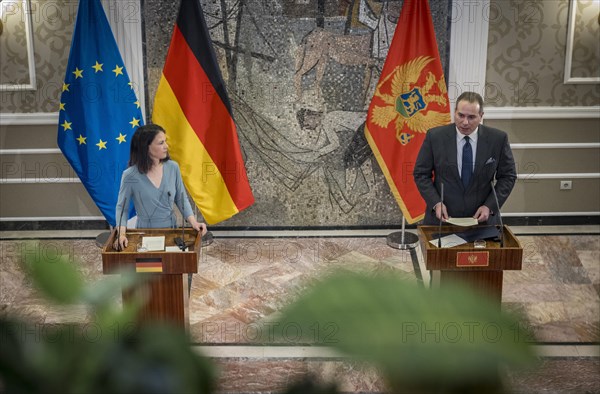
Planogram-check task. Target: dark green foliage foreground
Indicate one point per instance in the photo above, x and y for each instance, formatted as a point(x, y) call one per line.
point(444, 340)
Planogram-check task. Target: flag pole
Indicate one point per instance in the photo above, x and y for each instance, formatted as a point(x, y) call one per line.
point(402, 239)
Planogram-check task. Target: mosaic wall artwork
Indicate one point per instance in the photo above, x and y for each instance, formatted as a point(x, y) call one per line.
point(300, 76)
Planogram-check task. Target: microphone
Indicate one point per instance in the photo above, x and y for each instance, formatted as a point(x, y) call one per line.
point(172, 210)
point(125, 207)
point(499, 215)
point(180, 241)
point(182, 246)
point(173, 223)
point(441, 215)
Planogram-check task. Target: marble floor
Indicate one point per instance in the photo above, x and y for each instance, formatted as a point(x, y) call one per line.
point(246, 278)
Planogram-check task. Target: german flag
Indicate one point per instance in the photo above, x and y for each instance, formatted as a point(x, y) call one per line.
point(191, 104)
point(410, 98)
point(148, 265)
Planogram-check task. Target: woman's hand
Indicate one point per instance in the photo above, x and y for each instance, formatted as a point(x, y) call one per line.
point(122, 242)
point(200, 227)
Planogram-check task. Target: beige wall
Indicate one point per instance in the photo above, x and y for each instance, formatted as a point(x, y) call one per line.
point(525, 69)
point(527, 43)
point(52, 24)
point(543, 160)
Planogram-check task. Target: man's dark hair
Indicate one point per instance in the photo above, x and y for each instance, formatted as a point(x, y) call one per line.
point(140, 143)
point(471, 97)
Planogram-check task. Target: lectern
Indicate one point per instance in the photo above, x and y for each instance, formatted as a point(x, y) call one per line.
point(481, 268)
point(161, 272)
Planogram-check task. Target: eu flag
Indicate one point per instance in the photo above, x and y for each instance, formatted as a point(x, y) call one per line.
point(99, 111)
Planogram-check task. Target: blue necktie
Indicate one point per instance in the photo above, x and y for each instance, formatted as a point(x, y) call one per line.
point(467, 163)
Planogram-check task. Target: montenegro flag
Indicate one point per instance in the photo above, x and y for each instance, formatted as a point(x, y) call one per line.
point(410, 98)
point(191, 104)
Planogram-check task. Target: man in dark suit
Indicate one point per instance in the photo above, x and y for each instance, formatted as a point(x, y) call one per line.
point(466, 171)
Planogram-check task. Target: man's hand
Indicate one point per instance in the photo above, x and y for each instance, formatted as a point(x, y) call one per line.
point(441, 212)
point(482, 214)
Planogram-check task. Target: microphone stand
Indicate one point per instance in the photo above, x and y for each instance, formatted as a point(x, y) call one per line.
point(501, 235)
point(440, 224)
point(183, 245)
point(180, 241)
point(125, 207)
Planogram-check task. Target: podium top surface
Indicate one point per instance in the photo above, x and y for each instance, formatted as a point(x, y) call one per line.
point(429, 233)
point(496, 257)
point(170, 262)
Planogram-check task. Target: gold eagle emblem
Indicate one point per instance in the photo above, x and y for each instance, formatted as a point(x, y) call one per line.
point(408, 102)
point(472, 259)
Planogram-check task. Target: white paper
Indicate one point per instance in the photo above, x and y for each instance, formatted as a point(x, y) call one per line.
point(154, 243)
point(463, 222)
point(449, 241)
point(173, 249)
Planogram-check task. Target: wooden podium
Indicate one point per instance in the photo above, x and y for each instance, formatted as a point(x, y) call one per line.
point(161, 272)
point(480, 268)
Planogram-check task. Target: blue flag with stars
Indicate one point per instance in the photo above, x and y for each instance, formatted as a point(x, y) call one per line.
point(99, 111)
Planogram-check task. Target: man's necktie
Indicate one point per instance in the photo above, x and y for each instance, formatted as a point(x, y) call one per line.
point(467, 163)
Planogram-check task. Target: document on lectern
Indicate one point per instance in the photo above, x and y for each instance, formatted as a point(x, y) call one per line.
point(463, 222)
point(153, 243)
point(449, 241)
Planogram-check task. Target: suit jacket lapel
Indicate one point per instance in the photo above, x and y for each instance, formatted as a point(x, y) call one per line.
point(483, 150)
point(451, 144)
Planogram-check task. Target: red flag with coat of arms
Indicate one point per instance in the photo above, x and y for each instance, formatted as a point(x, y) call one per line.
point(410, 98)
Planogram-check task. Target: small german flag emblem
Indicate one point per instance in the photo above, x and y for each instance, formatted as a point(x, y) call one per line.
point(148, 265)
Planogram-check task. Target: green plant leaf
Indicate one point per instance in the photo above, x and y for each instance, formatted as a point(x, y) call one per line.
point(55, 277)
point(450, 335)
point(109, 287)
